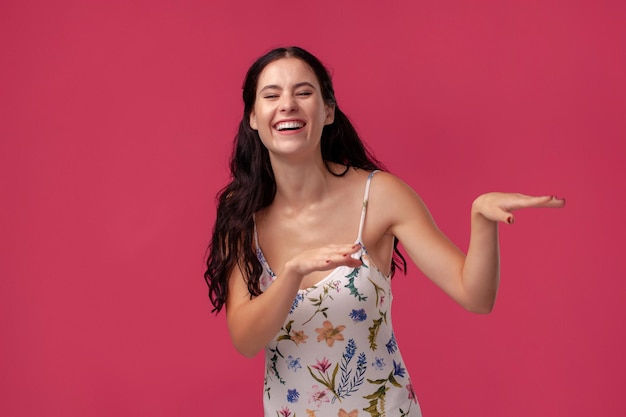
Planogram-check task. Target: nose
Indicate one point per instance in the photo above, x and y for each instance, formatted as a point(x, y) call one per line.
point(288, 103)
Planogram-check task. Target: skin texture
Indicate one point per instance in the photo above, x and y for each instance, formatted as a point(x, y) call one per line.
point(312, 224)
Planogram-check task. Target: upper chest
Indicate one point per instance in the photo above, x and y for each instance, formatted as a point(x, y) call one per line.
point(282, 235)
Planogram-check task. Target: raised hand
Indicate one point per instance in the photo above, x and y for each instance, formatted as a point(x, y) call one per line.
point(498, 207)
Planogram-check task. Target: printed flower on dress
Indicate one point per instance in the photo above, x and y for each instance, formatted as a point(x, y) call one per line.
point(323, 377)
point(392, 345)
point(329, 333)
point(322, 365)
point(379, 363)
point(344, 413)
point(350, 378)
point(293, 363)
point(299, 337)
point(358, 315)
point(296, 336)
point(398, 370)
point(266, 280)
point(409, 387)
point(293, 395)
point(296, 301)
point(284, 412)
point(318, 395)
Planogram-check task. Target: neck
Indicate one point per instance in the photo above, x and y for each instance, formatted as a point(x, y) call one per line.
point(300, 185)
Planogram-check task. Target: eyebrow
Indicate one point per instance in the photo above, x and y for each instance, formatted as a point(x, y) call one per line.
point(277, 87)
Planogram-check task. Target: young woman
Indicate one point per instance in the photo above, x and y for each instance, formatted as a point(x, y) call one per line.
point(303, 247)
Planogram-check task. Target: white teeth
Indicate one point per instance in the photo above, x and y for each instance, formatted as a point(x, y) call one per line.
point(292, 124)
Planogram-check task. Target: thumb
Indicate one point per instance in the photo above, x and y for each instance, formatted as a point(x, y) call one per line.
point(506, 216)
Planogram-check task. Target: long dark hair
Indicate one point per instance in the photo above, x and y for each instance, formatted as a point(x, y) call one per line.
point(252, 186)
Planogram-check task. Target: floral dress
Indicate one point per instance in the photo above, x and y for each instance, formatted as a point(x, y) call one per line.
point(336, 354)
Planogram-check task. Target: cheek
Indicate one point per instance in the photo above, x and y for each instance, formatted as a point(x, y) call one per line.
point(260, 117)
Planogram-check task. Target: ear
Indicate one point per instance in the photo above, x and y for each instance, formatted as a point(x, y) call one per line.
point(253, 124)
point(330, 114)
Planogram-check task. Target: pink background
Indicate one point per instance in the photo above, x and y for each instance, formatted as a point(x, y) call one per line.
point(116, 122)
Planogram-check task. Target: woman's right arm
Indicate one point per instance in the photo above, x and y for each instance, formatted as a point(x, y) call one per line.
point(253, 322)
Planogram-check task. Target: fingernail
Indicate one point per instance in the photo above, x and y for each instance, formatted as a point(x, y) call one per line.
point(509, 220)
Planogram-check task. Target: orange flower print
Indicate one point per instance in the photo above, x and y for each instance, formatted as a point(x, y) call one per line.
point(329, 333)
point(299, 337)
point(343, 413)
point(310, 413)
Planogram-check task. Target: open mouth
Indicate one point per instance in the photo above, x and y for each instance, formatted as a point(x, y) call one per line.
point(289, 125)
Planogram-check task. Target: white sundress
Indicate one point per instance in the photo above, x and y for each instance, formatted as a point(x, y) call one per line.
point(336, 353)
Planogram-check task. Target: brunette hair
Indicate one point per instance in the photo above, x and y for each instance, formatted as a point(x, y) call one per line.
point(252, 186)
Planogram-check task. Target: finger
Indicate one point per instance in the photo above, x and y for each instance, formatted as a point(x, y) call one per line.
point(501, 214)
point(351, 253)
point(335, 252)
point(547, 201)
point(555, 202)
point(335, 260)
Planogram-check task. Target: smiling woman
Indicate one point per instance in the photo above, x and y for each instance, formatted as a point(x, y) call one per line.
point(302, 252)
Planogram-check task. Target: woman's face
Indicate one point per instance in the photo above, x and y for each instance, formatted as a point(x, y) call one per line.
point(289, 112)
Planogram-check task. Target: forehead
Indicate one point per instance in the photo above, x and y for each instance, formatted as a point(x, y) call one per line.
point(285, 72)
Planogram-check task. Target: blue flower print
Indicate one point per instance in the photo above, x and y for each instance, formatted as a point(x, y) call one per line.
point(358, 315)
point(293, 395)
point(392, 346)
point(293, 363)
point(379, 363)
point(350, 351)
point(398, 370)
point(296, 301)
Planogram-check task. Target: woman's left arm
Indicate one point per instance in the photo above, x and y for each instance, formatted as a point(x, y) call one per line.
point(471, 280)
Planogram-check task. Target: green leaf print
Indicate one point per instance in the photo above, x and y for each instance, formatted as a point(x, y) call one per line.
point(374, 328)
point(380, 293)
point(267, 388)
point(272, 367)
point(393, 381)
point(350, 285)
point(377, 399)
point(374, 333)
point(377, 402)
point(317, 302)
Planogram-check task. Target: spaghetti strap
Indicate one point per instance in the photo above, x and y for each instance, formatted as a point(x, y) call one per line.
point(364, 210)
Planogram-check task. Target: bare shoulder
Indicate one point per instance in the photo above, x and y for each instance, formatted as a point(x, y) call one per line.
point(397, 202)
point(390, 182)
point(388, 187)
